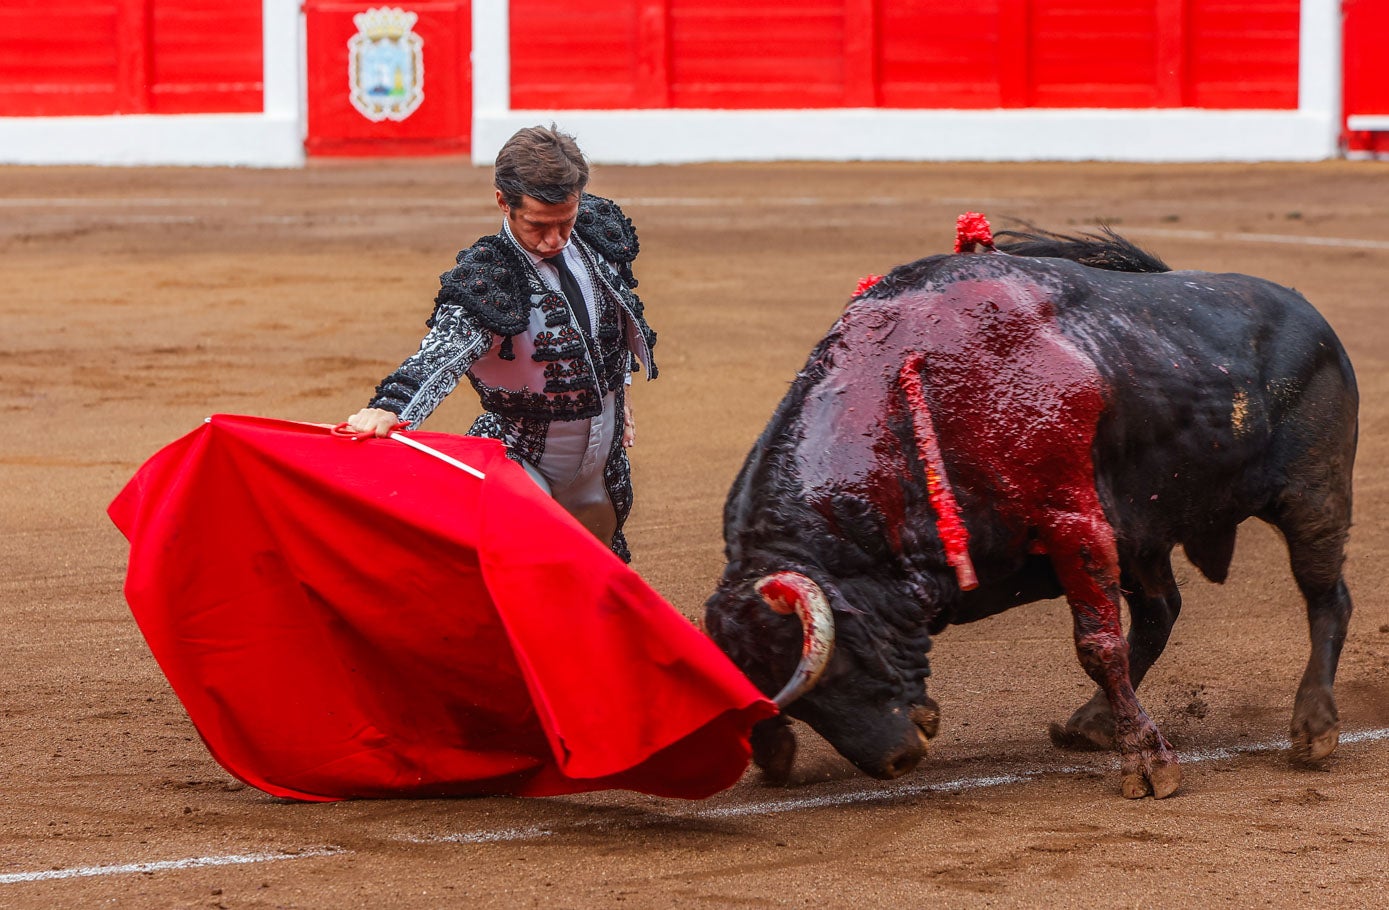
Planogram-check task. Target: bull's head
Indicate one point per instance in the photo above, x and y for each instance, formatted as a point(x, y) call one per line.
point(855, 675)
point(839, 564)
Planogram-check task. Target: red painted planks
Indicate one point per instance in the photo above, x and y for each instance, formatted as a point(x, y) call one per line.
point(861, 53)
point(58, 58)
point(1244, 53)
point(95, 57)
point(572, 56)
point(905, 53)
point(206, 56)
point(1093, 53)
point(652, 88)
point(757, 54)
point(1367, 71)
point(961, 56)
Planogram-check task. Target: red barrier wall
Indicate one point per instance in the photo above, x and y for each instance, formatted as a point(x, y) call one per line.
point(76, 57)
point(442, 122)
point(613, 54)
point(101, 57)
point(1367, 69)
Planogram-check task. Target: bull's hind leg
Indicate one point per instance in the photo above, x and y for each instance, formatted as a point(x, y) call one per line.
point(1154, 604)
point(1081, 546)
point(1316, 528)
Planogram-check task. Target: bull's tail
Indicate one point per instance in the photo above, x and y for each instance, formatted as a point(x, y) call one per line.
point(1105, 250)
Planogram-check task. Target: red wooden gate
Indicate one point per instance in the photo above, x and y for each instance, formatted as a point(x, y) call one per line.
point(423, 106)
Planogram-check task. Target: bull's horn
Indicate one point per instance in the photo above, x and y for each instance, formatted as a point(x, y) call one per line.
point(792, 592)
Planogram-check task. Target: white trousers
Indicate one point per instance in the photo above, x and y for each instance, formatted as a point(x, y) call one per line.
point(571, 469)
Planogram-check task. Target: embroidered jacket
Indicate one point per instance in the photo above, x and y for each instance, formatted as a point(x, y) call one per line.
point(496, 321)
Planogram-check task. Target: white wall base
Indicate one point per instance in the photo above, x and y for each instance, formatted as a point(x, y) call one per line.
point(1310, 133)
point(687, 136)
point(253, 140)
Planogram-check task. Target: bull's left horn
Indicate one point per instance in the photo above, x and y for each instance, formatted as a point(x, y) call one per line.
point(792, 592)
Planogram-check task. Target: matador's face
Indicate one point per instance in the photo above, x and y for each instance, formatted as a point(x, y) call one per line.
point(541, 228)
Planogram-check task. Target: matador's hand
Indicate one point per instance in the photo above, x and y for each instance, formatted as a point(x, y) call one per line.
point(378, 421)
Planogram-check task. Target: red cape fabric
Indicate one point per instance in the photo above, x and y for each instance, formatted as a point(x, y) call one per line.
point(358, 619)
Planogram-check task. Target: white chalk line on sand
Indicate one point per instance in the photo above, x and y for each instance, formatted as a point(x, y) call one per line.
point(1244, 237)
point(497, 836)
point(883, 794)
point(199, 862)
point(766, 807)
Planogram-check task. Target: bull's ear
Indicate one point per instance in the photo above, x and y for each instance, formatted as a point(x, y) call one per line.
point(838, 601)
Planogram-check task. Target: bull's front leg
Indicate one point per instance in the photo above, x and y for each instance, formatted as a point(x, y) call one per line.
point(1082, 551)
point(774, 749)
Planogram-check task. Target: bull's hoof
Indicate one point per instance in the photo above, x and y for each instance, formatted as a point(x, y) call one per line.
point(1165, 777)
point(927, 718)
point(1135, 786)
point(1160, 780)
point(1076, 740)
point(1089, 729)
point(774, 750)
point(1309, 750)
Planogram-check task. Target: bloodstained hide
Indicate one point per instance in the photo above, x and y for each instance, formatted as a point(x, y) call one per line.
point(986, 430)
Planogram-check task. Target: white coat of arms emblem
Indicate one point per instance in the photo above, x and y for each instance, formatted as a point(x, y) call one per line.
point(385, 64)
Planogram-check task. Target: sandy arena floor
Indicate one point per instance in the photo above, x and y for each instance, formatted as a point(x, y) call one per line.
point(136, 302)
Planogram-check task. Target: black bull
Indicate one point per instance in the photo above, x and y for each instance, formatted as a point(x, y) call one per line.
point(1086, 420)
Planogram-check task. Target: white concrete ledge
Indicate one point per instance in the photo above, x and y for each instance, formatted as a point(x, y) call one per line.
point(252, 140)
point(1368, 123)
point(687, 136)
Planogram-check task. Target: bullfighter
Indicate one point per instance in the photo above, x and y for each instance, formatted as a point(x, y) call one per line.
point(542, 319)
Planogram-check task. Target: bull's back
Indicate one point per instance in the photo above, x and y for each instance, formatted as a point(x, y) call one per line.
point(1217, 387)
point(1177, 397)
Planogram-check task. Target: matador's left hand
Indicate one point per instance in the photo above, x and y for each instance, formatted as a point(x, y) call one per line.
point(629, 426)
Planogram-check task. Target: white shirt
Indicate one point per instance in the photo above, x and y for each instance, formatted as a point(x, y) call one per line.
point(550, 275)
point(577, 267)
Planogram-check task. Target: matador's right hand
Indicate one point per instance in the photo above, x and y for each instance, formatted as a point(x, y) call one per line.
point(378, 421)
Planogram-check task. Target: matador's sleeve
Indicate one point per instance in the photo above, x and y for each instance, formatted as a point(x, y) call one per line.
point(454, 343)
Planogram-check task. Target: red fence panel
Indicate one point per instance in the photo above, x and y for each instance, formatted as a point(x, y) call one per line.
point(206, 55)
point(96, 57)
point(577, 55)
point(1244, 53)
point(933, 55)
point(761, 54)
point(1367, 70)
point(1093, 53)
point(424, 108)
point(756, 54)
point(58, 58)
point(613, 54)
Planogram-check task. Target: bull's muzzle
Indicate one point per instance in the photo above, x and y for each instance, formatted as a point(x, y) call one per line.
point(792, 592)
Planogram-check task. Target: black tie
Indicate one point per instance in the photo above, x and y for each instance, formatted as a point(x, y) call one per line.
point(570, 287)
